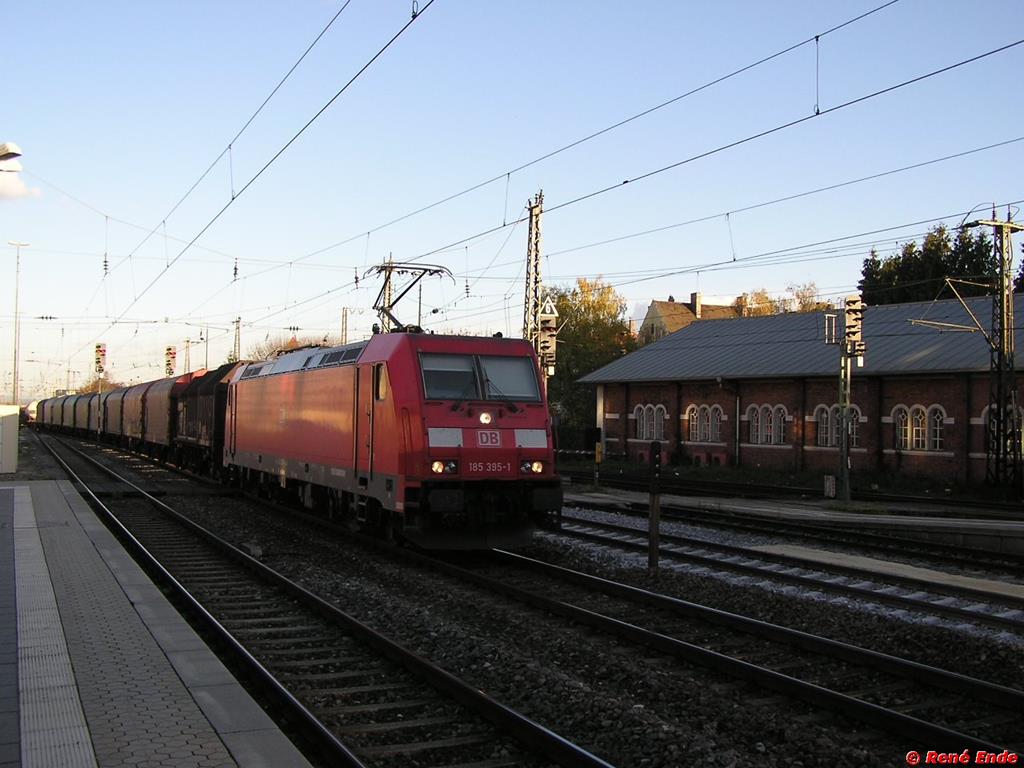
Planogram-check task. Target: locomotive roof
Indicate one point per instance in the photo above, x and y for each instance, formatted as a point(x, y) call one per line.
point(307, 358)
point(793, 345)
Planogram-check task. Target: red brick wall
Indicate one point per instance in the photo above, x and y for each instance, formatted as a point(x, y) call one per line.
point(962, 396)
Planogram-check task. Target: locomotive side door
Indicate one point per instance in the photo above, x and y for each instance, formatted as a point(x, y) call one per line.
point(232, 436)
point(364, 425)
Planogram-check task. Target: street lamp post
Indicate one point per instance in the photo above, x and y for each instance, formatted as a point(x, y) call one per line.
point(17, 318)
point(9, 151)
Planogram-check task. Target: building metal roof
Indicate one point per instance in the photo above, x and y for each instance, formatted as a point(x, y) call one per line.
point(793, 345)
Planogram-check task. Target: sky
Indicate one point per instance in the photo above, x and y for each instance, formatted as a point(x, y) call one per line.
point(157, 212)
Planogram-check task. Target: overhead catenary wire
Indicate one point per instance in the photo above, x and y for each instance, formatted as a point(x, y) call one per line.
point(701, 219)
point(273, 159)
point(507, 174)
point(724, 147)
point(478, 279)
point(552, 153)
point(238, 135)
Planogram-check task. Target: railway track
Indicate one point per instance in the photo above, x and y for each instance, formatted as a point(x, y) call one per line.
point(363, 699)
point(1003, 612)
point(928, 706)
point(848, 536)
point(924, 704)
point(1010, 510)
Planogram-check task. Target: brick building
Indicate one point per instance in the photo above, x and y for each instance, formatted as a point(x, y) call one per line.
point(763, 392)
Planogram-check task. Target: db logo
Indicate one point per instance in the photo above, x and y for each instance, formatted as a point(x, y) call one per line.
point(488, 438)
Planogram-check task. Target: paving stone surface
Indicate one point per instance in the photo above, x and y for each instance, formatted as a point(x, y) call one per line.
point(138, 711)
point(10, 740)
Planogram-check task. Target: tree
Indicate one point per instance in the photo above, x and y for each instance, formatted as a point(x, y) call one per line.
point(802, 298)
point(919, 272)
point(757, 303)
point(261, 350)
point(593, 332)
point(93, 385)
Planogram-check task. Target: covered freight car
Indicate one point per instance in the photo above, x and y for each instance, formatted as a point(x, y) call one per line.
point(84, 408)
point(160, 413)
point(113, 415)
point(133, 415)
point(199, 443)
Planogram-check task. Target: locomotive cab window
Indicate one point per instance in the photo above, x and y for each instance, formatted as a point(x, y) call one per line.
point(510, 378)
point(479, 377)
point(449, 377)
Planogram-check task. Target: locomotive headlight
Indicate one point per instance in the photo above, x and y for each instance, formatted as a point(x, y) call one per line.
point(526, 466)
point(485, 418)
point(449, 467)
point(437, 467)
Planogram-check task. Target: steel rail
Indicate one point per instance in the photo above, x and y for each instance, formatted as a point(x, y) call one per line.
point(1000, 695)
point(886, 719)
point(958, 590)
point(695, 514)
point(640, 544)
point(327, 743)
point(527, 731)
point(1009, 510)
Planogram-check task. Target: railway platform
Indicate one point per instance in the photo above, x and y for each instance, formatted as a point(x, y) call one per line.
point(97, 669)
point(989, 535)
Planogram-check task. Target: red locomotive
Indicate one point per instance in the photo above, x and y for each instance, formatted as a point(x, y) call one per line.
point(444, 441)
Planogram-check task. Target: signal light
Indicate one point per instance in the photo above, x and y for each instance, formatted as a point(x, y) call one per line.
point(853, 317)
point(170, 355)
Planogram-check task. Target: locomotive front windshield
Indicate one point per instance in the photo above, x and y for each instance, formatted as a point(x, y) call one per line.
point(479, 377)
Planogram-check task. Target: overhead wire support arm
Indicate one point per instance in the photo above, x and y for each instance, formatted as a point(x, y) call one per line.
point(957, 326)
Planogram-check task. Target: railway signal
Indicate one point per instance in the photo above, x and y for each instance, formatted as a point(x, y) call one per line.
point(853, 347)
point(100, 358)
point(170, 356)
point(853, 320)
point(547, 331)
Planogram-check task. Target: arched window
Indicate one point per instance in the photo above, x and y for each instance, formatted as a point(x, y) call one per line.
point(778, 426)
point(715, 435)
point(659, 423)
point(901, 427)
point(836, 417)
point(705, 423)
point(854, 426)
point(821, 418)
point(918, 428)
point(649, 422)
point(767, 425)
point(936, 421)
point(638, 418)
point(691, 423)
point(754, 419)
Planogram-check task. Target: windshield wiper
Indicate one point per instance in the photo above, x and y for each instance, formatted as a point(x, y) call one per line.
point(502, 397)
point(465, 391)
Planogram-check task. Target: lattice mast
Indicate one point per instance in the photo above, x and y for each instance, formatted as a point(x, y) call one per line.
point(532, 300)
point(1003, 454)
